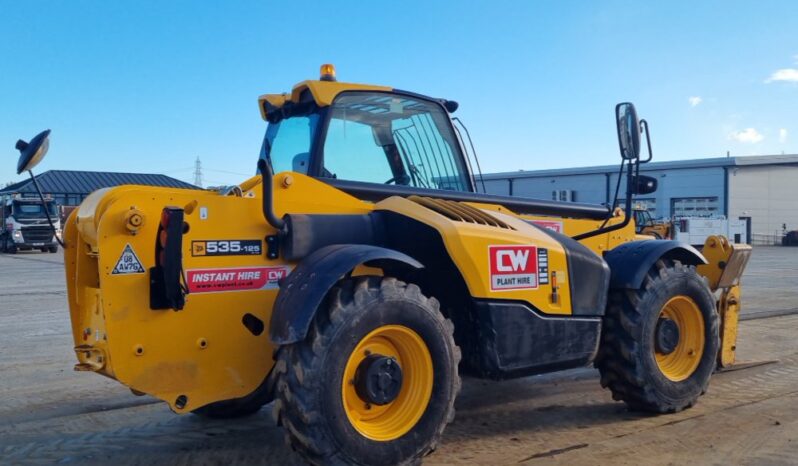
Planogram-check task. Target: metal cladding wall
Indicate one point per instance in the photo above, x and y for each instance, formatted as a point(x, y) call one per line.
point(687, 183)
point(760, 187)
point(598, 188)
point(767, 194)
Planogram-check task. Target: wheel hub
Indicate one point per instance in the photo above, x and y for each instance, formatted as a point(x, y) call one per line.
point(378, 379)
point(666, 336)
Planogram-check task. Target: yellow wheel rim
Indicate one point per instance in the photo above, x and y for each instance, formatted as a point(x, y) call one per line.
point(390, 421)
point(684, 359)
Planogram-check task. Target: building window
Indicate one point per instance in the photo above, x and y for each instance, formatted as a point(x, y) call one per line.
point(694, 207)
point(563, 195)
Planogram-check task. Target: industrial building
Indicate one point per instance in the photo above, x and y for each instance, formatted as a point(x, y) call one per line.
point(70, 187)
point(758, 189)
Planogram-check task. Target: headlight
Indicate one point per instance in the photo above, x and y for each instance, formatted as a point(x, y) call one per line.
point(17, 235)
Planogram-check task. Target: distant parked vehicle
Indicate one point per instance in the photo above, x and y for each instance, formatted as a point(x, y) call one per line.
point(24, 224)
point(696, 230)
point(790, 239)
point(645, 225)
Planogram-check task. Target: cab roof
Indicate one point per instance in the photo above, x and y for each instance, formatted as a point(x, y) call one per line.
point(323, 93)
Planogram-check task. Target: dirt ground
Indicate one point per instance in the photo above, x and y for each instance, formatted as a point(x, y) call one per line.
point(50, 414)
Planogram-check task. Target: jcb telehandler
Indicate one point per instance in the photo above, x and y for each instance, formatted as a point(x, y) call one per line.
point(356, 285)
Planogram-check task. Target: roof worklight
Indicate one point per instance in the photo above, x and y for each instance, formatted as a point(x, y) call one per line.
point(327, 72)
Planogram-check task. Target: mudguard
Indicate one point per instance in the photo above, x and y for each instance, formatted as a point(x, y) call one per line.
point(305, 288)
point(630, 262)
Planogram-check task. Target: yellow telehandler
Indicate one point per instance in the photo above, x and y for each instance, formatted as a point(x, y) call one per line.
point(356, 284)
point(645, 225)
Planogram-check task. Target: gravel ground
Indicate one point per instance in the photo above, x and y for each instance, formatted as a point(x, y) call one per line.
point(50, 414)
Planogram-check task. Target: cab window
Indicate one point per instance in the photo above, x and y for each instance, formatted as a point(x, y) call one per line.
point(392, 139)
point(287, 143)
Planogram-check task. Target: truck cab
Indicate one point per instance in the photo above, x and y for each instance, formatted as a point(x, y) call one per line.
point(24, 224)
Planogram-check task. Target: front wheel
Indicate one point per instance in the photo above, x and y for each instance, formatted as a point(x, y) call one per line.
point(11, 247)
point(659, 344)
point(375, 380)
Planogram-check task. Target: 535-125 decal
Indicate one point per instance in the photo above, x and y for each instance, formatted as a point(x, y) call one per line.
point(239, 247)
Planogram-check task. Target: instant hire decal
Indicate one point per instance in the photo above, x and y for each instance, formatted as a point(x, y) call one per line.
point(513, 267)
point(235, 279)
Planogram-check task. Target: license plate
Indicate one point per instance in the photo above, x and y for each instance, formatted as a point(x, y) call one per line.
point(38, 244)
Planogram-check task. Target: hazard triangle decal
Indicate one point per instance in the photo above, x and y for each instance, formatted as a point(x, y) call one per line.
point(128, 263)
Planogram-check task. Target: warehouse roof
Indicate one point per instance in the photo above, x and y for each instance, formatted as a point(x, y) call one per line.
point(791, 159)
point(80, 182)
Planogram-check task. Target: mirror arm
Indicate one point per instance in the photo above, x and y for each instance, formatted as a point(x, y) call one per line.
point(627, 208)
point(46, 211)
point(644, 127)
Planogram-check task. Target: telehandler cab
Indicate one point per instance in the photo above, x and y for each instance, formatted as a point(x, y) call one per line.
point(356, 285)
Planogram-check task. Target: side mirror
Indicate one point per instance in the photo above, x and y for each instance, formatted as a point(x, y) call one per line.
point(645, 184)
point(628, 130)
point(31, 153)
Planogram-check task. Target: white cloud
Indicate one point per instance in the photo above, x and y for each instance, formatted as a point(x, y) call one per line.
point(783, 135)
point(748, 135)
point(694, 100)
point(784, 74)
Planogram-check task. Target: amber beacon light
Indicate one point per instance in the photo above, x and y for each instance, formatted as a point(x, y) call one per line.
point(327, 72)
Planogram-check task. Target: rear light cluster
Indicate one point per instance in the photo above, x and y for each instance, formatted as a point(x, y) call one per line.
point(167, 284)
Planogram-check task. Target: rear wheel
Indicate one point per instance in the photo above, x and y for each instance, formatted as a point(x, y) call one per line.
point(375, 380)
point(659, 343)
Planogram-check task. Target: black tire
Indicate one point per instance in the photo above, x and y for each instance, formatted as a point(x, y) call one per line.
point(53, 249)
point(626, 358)
point(10, 248)
point(309, 401)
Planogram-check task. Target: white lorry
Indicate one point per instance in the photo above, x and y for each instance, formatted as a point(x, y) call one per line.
point(24, 224)
point(695, 230)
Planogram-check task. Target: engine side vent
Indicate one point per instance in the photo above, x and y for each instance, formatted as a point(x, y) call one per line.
point(459, 212)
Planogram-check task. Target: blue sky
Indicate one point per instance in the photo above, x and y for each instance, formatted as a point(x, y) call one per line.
point(148, 86)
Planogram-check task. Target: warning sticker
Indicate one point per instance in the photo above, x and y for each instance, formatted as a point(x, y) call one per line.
point(513, 267)
point(128, 263)
point(552, 225)
point(235, 279)
point(543, 266)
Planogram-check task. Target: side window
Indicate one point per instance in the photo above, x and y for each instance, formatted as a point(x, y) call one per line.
point(290, 143)
point(351, 153)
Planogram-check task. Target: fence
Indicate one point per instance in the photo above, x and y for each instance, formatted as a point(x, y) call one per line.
point(763, 239)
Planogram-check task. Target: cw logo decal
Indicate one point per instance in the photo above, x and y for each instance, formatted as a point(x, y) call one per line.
point(513, 267)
